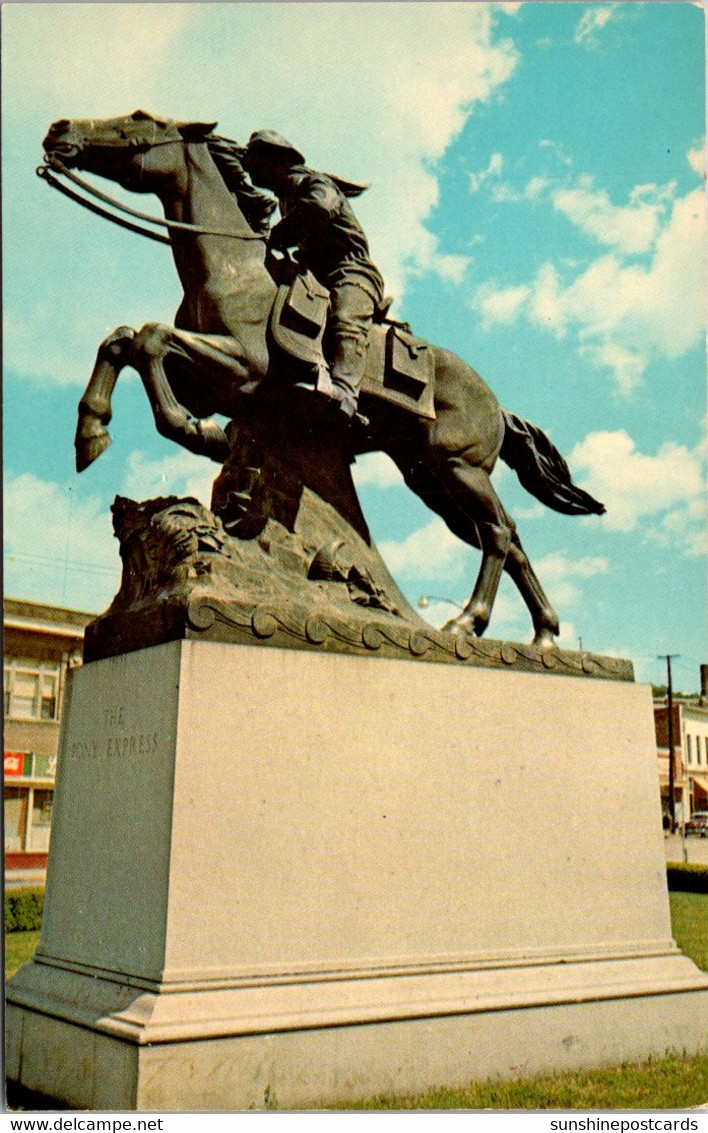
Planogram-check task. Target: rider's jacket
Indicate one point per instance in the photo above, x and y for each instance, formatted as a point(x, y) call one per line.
point(318, 219)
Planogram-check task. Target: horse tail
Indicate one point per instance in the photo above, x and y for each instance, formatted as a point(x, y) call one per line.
point(541, 469)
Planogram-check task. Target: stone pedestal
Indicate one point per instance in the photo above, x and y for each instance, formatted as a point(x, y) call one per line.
point(288, 878)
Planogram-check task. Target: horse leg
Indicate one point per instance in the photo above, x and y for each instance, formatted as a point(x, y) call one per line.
point(516, 564)
point(495, 531)
point(149, 350)
point(92, 437)
point(545, 619)
point(463, 495)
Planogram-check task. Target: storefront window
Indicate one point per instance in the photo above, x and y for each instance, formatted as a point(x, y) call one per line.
point(15, 817)
point(41, 818)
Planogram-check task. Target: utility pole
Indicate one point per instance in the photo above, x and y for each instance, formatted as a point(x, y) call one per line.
point(670, 698)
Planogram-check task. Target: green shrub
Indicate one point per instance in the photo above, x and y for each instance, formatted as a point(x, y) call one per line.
point(687, 877)
point(23, 909)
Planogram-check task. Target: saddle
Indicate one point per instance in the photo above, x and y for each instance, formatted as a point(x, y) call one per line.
point(399, 367)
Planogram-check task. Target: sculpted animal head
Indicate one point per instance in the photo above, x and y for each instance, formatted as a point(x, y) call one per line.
point(125, 149)
point(163, 541)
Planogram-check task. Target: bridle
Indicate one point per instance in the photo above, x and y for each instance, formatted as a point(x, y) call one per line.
point(53, 164)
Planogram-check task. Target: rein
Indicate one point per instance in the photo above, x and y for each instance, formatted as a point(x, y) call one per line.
point(53, 164)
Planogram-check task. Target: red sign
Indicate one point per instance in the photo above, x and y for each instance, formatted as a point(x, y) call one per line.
point(14, 762)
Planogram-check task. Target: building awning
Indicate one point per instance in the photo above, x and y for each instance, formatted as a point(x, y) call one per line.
point(702, 781)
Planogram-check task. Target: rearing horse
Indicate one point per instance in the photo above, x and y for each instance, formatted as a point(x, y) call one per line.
point(219, 351)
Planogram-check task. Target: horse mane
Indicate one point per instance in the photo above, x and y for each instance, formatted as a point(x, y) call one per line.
point(257, 207)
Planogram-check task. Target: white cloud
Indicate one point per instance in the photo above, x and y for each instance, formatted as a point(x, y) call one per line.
point(429, 552)
point(593, 21)
point(535, 188)
point(494, 169)
point(59, 545)
point(562, 575)
point(179, 474)
point(503, 305)
point(697, 159)
point(376, 469)
point(61, 46)
point(686, 526)
point(626, 365)
point(629, 228)
point(383, 110)
point(623, 314)
point(636, 487)
point(557, 150)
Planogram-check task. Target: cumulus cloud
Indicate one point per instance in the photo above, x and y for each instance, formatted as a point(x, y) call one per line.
point(382, 111)
point(592, 21)
point(630, 228)
point(697, 159)
point(622, 313)
point(59, 46)
point(59, 544)
point(563, 575)
point(494, 169)
point(667, 487)
point(378, 470)
point(431, 551)
point(502, 305)
point(179, 474)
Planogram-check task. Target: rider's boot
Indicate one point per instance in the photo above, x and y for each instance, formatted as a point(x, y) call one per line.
point(347, 373)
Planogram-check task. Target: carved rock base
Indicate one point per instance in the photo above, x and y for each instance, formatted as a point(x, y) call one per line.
point(321, 587)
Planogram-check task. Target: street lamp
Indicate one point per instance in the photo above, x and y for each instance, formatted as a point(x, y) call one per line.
point(425, 600)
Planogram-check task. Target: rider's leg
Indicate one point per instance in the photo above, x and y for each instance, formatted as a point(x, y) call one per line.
point(351, 316)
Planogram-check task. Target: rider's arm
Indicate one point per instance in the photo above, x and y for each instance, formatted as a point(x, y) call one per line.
point(317, 202)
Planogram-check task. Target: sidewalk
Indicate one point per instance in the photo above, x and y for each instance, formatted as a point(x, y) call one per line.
point(696, 849)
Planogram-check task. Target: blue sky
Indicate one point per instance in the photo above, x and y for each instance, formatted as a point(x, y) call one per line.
point(537, 205)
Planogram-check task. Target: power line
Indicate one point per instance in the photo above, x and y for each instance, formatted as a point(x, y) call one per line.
point(669, 690)
point(46, 560)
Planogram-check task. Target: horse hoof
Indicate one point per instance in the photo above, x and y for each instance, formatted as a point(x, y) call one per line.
point(90, 448)
point(467, 625)
point(544, 640)
point(214, 441)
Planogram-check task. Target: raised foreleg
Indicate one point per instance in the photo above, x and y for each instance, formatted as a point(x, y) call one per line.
point(208, 368)
point(92, 436)
point(148, 352)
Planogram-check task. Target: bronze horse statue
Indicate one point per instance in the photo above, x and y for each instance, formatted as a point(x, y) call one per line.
point(218, 358)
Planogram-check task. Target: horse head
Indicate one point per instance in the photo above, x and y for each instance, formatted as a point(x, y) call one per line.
point(134, 149)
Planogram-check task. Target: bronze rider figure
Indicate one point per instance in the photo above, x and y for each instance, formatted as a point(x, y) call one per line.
point(318, 220)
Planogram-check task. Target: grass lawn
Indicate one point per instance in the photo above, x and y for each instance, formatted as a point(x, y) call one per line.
point(689, 921)
point(19, 948)
point(666, 1083)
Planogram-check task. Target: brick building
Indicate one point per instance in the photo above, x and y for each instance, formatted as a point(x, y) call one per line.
point(41, 644)
point(690, 739)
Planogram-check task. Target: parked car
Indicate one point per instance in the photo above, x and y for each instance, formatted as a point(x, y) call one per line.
point(698, 823)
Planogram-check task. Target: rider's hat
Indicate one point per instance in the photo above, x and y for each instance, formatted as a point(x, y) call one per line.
point(273, 143)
